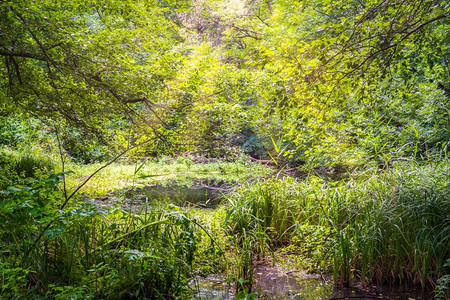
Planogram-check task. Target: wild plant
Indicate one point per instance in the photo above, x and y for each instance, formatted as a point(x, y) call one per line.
point(389, 226)
point(32, 164)
point(442, 289)
point(99, 251)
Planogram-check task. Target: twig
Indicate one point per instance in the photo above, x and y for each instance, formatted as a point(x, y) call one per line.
point(79, 187)
point(62, 161)
point(323, 277)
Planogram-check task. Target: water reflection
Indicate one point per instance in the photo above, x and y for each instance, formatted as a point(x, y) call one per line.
point(212, 287)
point(187, 192)
point(275, 283)
point(382, 292)
point(204, 192)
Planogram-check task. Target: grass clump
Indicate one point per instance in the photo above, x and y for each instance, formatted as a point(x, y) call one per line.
point(388, 227)
point(33, 165)
point(16, 166)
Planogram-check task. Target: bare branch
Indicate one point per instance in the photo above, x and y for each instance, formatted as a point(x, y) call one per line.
point(269, 6)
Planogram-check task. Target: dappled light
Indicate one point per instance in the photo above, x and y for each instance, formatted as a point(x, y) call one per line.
point(224, 149)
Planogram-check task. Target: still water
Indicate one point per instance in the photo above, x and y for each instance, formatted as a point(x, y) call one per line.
point(275, 283)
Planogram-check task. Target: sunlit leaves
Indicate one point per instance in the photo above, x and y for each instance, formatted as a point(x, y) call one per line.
point(86, 62)
point(336, 61)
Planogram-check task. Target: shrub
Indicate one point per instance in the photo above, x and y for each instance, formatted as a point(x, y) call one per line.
point(8, 174)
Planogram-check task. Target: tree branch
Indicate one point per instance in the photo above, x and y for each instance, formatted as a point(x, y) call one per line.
point(82, 185)
point(21, 54)
point(373, 54)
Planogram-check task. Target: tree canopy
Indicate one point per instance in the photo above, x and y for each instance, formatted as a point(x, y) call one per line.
point(86, 62)
point(335, 79)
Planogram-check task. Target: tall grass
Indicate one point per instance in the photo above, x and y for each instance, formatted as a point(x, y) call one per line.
point(17, 166)
point(391, 226)
point(92, 251)
point(402, 234)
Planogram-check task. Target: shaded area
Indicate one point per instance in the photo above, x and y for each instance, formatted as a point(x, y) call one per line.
point(273, 282)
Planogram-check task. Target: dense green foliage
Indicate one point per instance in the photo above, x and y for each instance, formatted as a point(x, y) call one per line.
point(91, 251)
point(337, 81)
point(339, 92)
point(386, 227)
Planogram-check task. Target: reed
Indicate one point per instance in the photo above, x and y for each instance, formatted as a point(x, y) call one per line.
point(382, 227)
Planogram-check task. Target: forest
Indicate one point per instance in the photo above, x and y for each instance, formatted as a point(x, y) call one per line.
point(224, 149)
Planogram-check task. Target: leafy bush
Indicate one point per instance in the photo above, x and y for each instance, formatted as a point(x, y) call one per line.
point(13, 281)
point(17, 131)
point(86, 148)
point(24, 210)
point(442, 289)
point(93, 251)
point(8, 174)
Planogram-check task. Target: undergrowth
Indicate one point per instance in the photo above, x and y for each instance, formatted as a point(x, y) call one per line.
point(388, 226)
point(17, 166)
point(89, 251)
